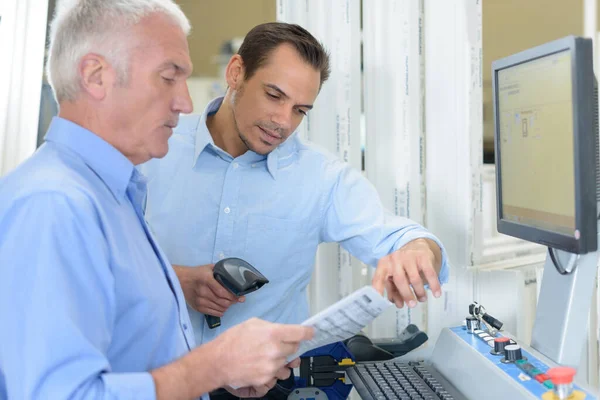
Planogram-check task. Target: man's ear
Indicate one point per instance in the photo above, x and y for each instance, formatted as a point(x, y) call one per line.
point(96, 75)
point(235, 72)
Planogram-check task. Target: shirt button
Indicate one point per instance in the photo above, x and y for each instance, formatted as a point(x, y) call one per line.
point(253, 165)
point(235, 165)
point(185, 327)
point(221, 255)
point(227, 210)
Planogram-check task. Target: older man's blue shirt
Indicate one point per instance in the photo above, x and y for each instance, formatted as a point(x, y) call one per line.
point(88, 302)
point(272, 211)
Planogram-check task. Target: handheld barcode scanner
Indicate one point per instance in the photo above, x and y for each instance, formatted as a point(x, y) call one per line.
point(237, 276)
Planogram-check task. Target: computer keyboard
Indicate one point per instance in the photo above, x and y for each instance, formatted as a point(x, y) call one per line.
point(401, 380)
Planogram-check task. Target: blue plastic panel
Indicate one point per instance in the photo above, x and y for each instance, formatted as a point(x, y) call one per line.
point(513, 371)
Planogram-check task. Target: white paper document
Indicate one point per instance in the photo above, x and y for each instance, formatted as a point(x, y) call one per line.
point(343, 319)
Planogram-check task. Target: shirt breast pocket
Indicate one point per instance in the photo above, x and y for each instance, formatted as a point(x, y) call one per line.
point(280, 248)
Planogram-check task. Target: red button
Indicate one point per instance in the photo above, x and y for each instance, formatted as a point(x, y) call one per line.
point(541, 378)
point(561, 375)
point(501, 339)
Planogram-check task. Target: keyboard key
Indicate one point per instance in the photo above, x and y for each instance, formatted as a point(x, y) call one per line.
point(394, 380)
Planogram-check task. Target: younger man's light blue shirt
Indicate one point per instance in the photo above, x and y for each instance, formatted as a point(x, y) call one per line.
point(272, 211)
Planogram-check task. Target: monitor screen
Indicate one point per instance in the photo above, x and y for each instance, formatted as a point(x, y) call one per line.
point(535, 106)
point(546, 145)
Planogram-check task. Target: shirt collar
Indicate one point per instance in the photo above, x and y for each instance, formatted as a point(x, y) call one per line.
point(203, 139)
point(107, 162)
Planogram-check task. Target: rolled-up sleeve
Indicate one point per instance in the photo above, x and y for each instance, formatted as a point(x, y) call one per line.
point(355, 217)
point(57, 304)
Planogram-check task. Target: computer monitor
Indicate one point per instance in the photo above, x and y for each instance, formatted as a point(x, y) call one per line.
point(546, 145)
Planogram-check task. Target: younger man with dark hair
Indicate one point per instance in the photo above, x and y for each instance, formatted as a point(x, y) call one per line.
point(237, 182)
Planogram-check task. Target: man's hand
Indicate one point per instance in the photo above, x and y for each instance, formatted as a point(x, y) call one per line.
point(250, 356)
point(253, 354)
point(260, 391)
point(202, 291)
point(254, 392)
point(416, 263)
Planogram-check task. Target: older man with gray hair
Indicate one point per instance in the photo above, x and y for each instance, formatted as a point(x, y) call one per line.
point(89, 305)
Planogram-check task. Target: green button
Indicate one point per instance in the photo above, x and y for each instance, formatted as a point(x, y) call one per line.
point(520, 362)
point(548, 384)
point(535, 371)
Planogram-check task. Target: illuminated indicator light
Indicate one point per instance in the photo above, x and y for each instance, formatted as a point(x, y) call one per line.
point(541, 378)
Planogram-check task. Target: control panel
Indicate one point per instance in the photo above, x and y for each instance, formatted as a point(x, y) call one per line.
point(481, 361)
point(476, 361)
point(521, 366)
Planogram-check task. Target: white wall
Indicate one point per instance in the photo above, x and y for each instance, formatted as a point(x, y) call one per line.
point(22, 37)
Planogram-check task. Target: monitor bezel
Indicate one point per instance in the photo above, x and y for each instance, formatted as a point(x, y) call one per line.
point(584, 147)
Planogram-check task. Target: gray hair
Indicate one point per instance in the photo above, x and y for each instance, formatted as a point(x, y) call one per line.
point(80, 27)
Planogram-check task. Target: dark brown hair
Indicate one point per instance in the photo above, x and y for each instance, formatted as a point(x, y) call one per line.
point(264, 38)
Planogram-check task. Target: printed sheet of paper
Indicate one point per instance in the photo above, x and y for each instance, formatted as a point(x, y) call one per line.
point(344, 319)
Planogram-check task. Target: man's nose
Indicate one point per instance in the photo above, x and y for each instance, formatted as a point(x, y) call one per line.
point(183, 101)
point(283, 117)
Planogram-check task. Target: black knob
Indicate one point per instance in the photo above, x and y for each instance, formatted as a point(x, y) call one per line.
point(512, 352)
point(499, 344)
point(473, 324)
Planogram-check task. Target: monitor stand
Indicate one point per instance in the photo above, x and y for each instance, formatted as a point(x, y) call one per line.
point(563, 308)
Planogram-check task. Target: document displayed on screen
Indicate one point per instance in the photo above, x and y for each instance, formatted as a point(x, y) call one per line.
point(344, 319)
point(535, 110)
